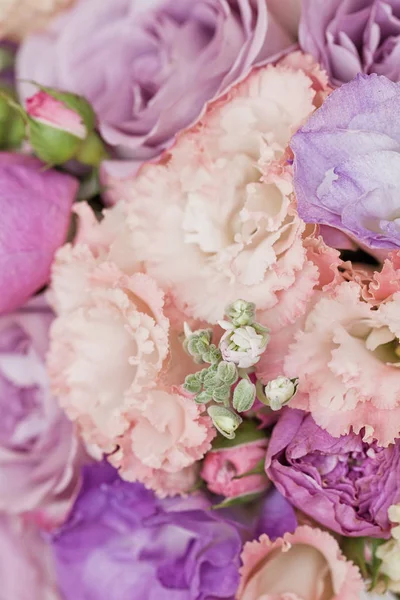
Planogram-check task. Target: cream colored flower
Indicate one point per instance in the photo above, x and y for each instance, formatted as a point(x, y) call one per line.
point(18, 18)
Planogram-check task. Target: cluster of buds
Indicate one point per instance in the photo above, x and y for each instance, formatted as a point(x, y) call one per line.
point(60, 126)
point(225, 385)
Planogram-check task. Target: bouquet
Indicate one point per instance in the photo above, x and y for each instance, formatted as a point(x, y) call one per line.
point(199, 299)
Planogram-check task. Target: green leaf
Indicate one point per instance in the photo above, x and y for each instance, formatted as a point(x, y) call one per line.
point(227, 372)
point(354, 550)
point(247, 433)
point(221, 393)
point(192, 384)
point(237, 501)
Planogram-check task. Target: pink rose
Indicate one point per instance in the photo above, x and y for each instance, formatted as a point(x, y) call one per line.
point(220, 466)
point(304, 565)
point(47, 110)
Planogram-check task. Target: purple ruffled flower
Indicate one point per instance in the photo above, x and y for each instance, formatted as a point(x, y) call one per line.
point(347, 162)
point(121, 542)
point(352, 36)
point(150, 72)
point(342, 483)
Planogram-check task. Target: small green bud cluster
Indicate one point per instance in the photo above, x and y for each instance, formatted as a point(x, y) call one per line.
point(224, 385)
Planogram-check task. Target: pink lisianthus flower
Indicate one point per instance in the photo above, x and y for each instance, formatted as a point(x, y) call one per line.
point(304, 565)
point(230, 228)
point(220, 466)
point(109, 360)
point(47, 110)
point(347, 360)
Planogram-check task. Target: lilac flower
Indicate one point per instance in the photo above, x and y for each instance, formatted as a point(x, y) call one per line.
point(342, 483)
point(40, 456)
point(121, 542)
point(347, 162)
point(35, 206)
point(352, 37)
point(149, 73)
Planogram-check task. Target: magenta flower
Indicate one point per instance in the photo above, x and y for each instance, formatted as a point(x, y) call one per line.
point(149, 73)
point(35, 206)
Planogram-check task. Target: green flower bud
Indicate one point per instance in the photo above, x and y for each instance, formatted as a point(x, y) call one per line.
point(241, 313)
point(221, 393)
point(203, 397)
point(227, 372)
point(244, 395)
point(192, 384)
point(224, 420)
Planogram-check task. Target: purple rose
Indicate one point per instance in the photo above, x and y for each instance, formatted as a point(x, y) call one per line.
point(149, 73)
point(342, 483)
point(35, 206)
point(121, 542)
point(39, 454)
point(347, 162)
point(352, 37)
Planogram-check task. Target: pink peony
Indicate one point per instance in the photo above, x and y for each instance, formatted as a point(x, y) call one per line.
point(304, 565)
point(220, 466)
point(230, 228)
point(345, 353)
point(109, 360)
point(47, 110)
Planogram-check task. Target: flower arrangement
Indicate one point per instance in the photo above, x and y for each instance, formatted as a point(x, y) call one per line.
point(199, 300)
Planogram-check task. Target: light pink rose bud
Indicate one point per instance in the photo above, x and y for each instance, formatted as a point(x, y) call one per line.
point(47, 110)
point(234, 458)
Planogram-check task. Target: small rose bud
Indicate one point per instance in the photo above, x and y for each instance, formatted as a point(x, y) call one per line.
point(241, 313)
point(244, 395)
point(224, 420)
point(279, 391)
point(45, 109)
point(235, 468)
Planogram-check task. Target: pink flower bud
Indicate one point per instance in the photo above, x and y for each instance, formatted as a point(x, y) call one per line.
point(222, 465)
point(47, 110)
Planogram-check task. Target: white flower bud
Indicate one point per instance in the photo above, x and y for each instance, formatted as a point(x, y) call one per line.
point(279, 391)
point(224, 420)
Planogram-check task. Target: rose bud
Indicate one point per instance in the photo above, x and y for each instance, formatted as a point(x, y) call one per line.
point(237, 458)
point(60, 128)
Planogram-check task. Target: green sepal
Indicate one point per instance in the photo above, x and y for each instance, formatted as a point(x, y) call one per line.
point(247, 433)
point(238, 500)
point(53, 146)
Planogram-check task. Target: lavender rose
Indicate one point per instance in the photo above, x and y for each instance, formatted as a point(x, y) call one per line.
point(35, 208)
point(39, 454)
point(352, 37)
point(347, 162)
point(121, 542)
point(149, 73)
point(342, 483)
